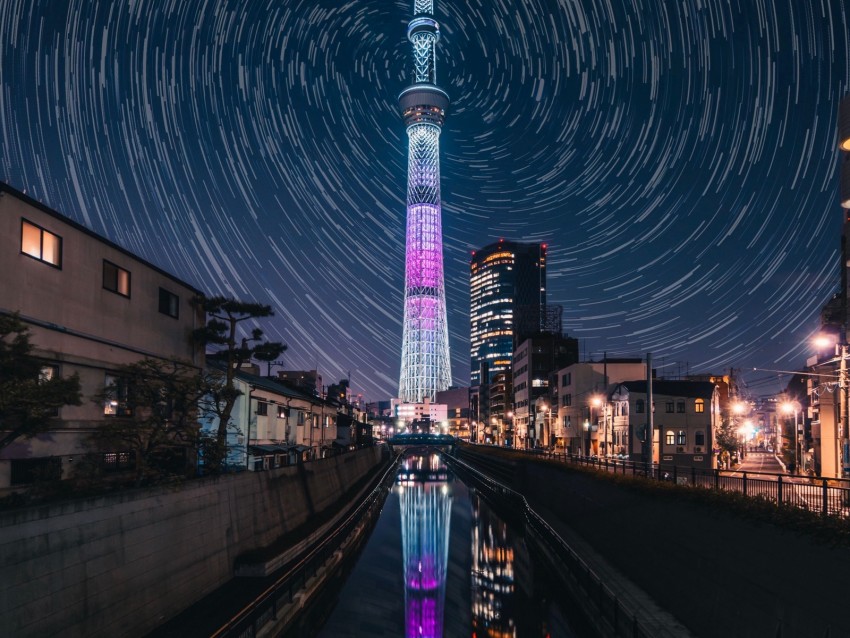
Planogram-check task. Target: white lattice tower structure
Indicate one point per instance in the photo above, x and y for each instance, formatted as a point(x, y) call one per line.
point(425, 364)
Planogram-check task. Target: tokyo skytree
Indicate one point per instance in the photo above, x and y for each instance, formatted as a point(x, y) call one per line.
point(425, 364)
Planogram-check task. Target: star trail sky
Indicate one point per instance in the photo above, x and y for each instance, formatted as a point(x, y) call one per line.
point(679, 158)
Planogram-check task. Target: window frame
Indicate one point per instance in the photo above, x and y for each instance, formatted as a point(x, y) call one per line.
point(680, 407)
point(169, 297)
point(118, 271)
point(262, 408)
point(669, 407)
point(669, 437)
point(699, 406)
point(118, 406)
point(682, 438)
point(40, 256)
point(640, 406)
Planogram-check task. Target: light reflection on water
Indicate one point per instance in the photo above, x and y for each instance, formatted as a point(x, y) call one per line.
point(441, 562)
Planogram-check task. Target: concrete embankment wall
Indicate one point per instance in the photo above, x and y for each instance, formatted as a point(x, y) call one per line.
point(721, 574)
point(124, 563)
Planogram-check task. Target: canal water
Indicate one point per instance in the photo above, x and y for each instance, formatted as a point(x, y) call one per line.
point(442, 562)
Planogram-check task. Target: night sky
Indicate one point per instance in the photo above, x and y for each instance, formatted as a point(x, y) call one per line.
point(679, 158)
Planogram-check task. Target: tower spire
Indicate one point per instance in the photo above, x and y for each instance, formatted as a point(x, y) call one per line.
point(425, 362)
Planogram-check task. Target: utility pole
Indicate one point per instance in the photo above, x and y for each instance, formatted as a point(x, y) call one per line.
point(649, 409)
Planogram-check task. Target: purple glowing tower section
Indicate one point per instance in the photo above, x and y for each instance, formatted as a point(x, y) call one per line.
point(426, 504)
point(425, 363)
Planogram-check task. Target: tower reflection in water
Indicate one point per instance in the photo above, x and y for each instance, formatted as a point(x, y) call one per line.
point(426, 503)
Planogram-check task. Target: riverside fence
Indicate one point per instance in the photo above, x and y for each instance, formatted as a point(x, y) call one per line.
point(828, 497)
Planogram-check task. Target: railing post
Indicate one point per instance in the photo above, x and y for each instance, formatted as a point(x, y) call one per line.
point(745, 483)
point(716, 479)
point(779, 490)
point(693, 476)
point(825, 501)
point(675, 473)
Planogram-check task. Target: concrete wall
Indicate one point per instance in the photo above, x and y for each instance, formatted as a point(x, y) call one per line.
point(122, 564)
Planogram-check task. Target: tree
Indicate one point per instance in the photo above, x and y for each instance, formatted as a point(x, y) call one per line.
point(225, 316)
point(159, 424)
point(30, 394)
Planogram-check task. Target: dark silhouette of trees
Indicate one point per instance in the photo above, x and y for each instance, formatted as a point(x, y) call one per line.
point(30, 394)
point(230, 351)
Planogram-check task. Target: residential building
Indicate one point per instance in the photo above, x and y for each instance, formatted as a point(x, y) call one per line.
point(273, 424)
point(91, 307)
point(534, 360)
point(579, 405)
point(309, 381)
point(456, 401)
point(501, 409)
point(507, 303)
point(685, 418)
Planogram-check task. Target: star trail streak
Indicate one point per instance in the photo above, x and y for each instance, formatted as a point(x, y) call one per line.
point(678, 157)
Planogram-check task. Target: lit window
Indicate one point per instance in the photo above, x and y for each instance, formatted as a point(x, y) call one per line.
point(117, 393)
point(41, 244)
point(169, 303)
point(116, 278)
point(669, 437)
point(47, 373)
point(699, 405)
point(682, 438)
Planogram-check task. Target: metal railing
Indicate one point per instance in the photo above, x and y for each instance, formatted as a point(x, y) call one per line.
point(827, 497)
point(266, 607)
point(621, 620)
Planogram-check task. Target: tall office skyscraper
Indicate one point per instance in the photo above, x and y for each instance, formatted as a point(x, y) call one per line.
point(507, 287)
point(425, 363)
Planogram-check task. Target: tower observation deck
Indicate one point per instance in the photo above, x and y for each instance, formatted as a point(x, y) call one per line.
point(425, 362)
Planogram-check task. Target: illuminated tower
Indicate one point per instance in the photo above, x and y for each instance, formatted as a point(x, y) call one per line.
point(425, 365)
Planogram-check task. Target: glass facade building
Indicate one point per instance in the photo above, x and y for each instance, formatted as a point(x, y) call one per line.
point(507, 303)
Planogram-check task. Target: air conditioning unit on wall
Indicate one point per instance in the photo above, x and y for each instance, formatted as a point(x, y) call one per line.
point(680, 449)
point(697, 449)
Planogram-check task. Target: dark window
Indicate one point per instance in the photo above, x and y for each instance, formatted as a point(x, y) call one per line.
point(282, 412)
point(680, 407)
point(639, 406)
point(567, 400)
point(699, 438)
point(668, 407)
point(566, 379)
point(116, 278)
point(41, 244)
point(262, 408)
point(169, 303)
point(25, 471)
point(682, 438)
